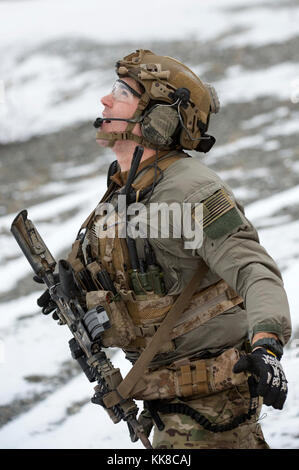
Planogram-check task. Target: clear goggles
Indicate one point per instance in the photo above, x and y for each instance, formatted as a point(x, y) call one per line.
point(121, 91)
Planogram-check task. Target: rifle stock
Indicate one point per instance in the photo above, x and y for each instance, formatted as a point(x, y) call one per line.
point(33, 246)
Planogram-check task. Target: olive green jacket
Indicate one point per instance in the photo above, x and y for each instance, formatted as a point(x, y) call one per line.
point(232, 251)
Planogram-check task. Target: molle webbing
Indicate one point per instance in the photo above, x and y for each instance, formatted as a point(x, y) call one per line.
point(193, 382)
point(206, 305)
point(144, 180)
point(203, 306)
point(135, 374)
point(191, 378)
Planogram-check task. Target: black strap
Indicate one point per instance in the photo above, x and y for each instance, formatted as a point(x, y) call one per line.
point(113, 168)
point(154, 406)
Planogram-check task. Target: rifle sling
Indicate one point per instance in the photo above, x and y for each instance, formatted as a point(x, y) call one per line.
point(126, 386)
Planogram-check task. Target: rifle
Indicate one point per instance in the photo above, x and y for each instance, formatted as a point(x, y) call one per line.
point(86, 326)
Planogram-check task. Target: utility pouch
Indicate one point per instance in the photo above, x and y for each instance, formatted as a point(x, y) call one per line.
point(192, 378)
point(122, 331)
point(151, 309)
point(147, 316)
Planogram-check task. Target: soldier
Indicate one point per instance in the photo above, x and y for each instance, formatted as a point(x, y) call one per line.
point(204, 386)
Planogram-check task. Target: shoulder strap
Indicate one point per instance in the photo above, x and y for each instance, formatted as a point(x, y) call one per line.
point(147, 174)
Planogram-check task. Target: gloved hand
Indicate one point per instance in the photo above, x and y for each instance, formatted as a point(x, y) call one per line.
point(44, 301)
point(146, 421)
point(267, 380)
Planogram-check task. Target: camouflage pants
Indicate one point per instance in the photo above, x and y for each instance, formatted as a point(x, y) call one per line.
point(183, 432)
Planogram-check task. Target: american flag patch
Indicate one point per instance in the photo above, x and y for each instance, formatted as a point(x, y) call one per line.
point(219, 215)
point(214, 207)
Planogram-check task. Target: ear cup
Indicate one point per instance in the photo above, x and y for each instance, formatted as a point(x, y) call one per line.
point(160, 124)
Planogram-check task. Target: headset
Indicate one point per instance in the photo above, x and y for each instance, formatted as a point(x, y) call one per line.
point(161, 122)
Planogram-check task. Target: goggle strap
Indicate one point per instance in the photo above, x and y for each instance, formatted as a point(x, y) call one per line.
point(143, 102)
point(134, 92)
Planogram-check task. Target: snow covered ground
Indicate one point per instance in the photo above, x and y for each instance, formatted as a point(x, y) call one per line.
point(34, 345)
point(46, 91)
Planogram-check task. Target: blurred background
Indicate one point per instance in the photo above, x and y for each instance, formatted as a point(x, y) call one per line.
point(56, 61)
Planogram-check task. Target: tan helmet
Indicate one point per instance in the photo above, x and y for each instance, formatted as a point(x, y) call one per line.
point(175, 106)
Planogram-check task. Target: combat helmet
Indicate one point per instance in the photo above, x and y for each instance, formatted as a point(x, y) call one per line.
point(175, 105)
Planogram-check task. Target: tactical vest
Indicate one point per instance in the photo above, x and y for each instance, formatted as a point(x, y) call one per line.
point(135, 318)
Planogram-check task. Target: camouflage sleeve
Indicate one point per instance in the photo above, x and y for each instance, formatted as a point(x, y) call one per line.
point(232, 250)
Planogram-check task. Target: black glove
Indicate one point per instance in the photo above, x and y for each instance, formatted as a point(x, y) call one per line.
point(267, 379)
point(44, 301)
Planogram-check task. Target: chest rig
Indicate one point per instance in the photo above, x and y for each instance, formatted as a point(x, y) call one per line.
point(133, 294)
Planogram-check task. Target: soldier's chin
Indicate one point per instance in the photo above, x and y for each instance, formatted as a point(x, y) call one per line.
point(102, 142)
